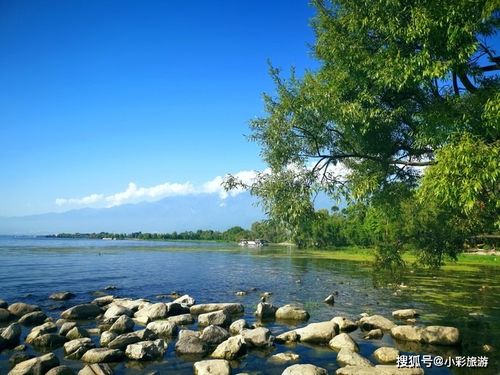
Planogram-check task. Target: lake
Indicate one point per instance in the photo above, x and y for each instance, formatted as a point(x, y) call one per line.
point(33, 268)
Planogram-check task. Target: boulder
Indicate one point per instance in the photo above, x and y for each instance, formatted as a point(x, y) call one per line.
point(107, 337)
point(182, 319)
point(186, 299)
point(150, 313)
point(374, 334)
point(292, 312)
point(85, 311)
point(440, 335)
point(163, 328)
point(49, 341)
point(66, 327)
point(318, 333)
point(3, 304)
point(19, 309)
point(237, 326)
point(134, 305)
point(103, 301)
point(77, 333)
point(99, 355)
point(48, 327)
point(343, 340)
point(217, 318)
point(330, 299)
point(345, 325)
point(290, 336)
point(189, 343)
point(115, 311)
point(61, 370)
point(284, 357)
point(214, 335)
point(11, 334)
point(75, 349)
point(406, 333)
point(122, 341)
point(175, 309)
point(347, 357)
point(96, 369)
point(146, 350)
point(212, 367)
point(122, 325)
point(230, 349)
point(374, 322)
point(265, 311)
point(18, 358)
point(231, 308)
point(37, 365)
point(257, 337)
point(306, 369)
point(386, 355)
point(405, 314)
point(4, 315)
point(61, 296)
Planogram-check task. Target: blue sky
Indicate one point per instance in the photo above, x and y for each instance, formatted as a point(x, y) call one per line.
point(95, 95)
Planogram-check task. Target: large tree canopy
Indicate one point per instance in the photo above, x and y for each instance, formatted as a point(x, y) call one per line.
point(404, 89)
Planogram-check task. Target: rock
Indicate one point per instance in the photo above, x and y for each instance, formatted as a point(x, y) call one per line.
point(115, 311)
point(290, 336)
point(407, 333)
point(343, 340)
point(284, 357)
point(18, 358)
point(49, 341)
point(77, 333)
point(217, 318)
point(99, 355)
point(96, 369)
point(257, 337)
point(374, 322)
point(386, 355)
point(134, 305)
point(241, 293)
point(163, 328)
point(146, 350)
point(345, 325)
point(20, 348)
point(174, 309)
point(122, 325)
point(75, 349)
point(374, 334)
point(212, 367)
point(189, 343)
point(48, 327)
point(60, 370)
point(487, 348)
point(85, 311)
point(347, 357)
point(378, 370)
point(107, 337)
point(66, 327)
point(4, 315)
point(61, 296)
point(292, 312)
point(405, 314)
point(38, 365)
point(306, 369)
point(232, 348)
point(330, 299)
point(150, 313)
point(182, 319)
point(3, 304)
point(440, 335)
point(230, 308)
point(265, 310)
point(321, 332)
point(237, 326)
point(20, 308)
point(110, 287)
point(103, 301)
point(125, 339)
point(186, 299)
point(214, 335)
point(11, 334)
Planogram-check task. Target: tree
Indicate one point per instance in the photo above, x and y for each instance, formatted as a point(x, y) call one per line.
point(401, 85)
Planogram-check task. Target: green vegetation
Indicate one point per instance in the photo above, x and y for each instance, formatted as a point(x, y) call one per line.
point(402, 119)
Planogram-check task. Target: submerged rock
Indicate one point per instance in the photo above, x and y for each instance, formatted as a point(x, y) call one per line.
point(378, 370)
point(4, 315)
point(330, 299)
point(440, 335)
point(284, 357)
point(19, 309)
point(61, 296)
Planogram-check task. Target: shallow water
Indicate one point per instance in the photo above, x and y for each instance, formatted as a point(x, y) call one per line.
point(31, 269)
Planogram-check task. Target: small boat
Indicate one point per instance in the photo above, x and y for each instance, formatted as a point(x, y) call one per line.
point(253, 243)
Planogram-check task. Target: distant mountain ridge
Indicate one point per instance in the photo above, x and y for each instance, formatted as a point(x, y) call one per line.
point(181, 213)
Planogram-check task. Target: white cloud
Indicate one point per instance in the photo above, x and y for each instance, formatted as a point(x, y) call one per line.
point(84, 201)
point(135, 193)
